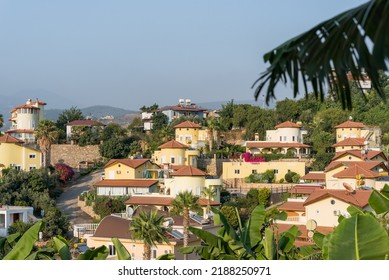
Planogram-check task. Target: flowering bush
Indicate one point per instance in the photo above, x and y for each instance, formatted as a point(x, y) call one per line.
point(64, 172)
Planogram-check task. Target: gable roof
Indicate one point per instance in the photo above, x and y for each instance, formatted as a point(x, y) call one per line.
point(188, 170)
point(173, 144)
point(133, 163)
point(368, 165)
point(288, 124)
point(355, 170)
point(350, 124)
point(359, 198)
point(9, 139)
point(351, 142)
point(358, 153)
point(187, 124)
point(138, 183)
point(292, 206)
point(84, 123)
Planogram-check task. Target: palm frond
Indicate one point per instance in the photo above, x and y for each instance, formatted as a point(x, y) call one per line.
point(355, 42)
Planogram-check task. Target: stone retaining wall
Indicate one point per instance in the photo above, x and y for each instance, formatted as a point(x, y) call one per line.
point(72, 155)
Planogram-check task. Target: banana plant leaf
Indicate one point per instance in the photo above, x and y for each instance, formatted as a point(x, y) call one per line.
point(25, 244)
point(269, 245)
point(360, 237)
point(166, 257)
point(252, 234)
point(121, 251)
point(379, 201)
point(100, 253)
point(62, 247)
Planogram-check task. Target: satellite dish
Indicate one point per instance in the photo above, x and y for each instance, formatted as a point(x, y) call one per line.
point(310, 234)
point(130, 211)
point(311, 225)
point(348, 187)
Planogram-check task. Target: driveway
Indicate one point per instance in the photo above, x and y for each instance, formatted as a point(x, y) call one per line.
point(67, 201)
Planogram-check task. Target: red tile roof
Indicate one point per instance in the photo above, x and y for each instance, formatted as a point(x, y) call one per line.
point(9, 139)
point(288, 124)
point(355, 170)
point(187, 124)
point(133, 163)
point(314, 176)
point(173, 144)
point(163, 201)
point(139, 183)
point(304, 189)
point(149, 200)
point(359, 198)
point(358, 153)
point(351, 142)
point(84, 123)
point(303, 229)
point(265, 144)
point(350, 124)
point(292, 206)
point(188, 170)
point(25, 106)
point(20, 131)
point(368, 165)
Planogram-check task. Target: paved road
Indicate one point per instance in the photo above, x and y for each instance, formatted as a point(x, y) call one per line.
point(67, 202)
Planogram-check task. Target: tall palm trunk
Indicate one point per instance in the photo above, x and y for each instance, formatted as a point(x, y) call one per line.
point(186, 233)
point(146, 251)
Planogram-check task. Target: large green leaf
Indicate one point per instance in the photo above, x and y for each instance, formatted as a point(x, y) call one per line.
point(24, 246)
point(255, 224)
point(212, 240)
point(100, 253)
point(167, 257)
point(379, 202)
point(62, 247)
point(220, 219)
point(287, 238)
point(359, 237)
point(121, 251)
point(269, 245)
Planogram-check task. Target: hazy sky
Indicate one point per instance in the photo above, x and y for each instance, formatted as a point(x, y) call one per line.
point(127, 53)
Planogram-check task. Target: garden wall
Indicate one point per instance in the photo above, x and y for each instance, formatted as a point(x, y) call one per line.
point(72, 155)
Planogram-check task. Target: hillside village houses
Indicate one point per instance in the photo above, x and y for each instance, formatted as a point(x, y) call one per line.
point(357, 167)
point(185, 107)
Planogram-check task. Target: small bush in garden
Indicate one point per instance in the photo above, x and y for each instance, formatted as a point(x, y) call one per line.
point(64, 172)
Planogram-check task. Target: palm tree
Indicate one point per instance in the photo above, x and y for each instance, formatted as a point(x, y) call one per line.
point(355, 42)
point(182, 204)
point(209, 194)
point(148, 226)
point(46, 134)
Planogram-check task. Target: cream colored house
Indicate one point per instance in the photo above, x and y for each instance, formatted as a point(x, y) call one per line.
point(25, 119)
point(241, 169)
point(12, 214)
point(175, 153)
point(191, 134)
point(131, 169)
point(14, 154)
point(321, 208)
point(287, 137)
point(350, 129)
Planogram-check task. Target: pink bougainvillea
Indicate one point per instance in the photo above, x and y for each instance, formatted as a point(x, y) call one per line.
point(64, 172)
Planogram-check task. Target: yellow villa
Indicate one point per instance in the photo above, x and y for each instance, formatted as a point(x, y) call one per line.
point(175, 153)
point(131, 169)
point(14, 154)
point(191, 134)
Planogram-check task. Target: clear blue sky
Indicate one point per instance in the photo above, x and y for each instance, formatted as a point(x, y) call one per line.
point(127, 53)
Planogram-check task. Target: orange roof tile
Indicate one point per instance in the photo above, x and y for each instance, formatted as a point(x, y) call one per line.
point(204, 202)
point(20, 131)
point(189, 170)
point(350, 124)
point(149, 200)
point(187, 124)
point(265, 144)
point(133, 163)
point(358, 153)
point(368, 165)
point(292, 206)
point(351, 142)
point(173, 144)
point(139, 183)
point(9, 139)
point(111, 226)
point(359, 198)
point(314, 176)
point(303, 229)
point(355, 170)
point(288, 124)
